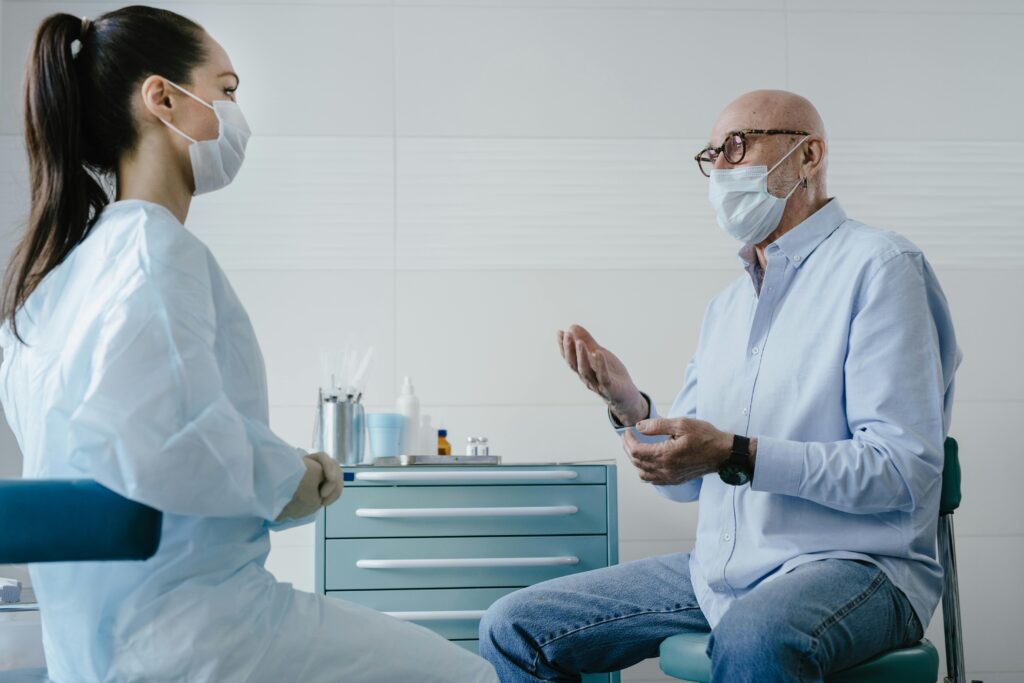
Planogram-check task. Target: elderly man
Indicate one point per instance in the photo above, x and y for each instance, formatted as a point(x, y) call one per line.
point(809, 427)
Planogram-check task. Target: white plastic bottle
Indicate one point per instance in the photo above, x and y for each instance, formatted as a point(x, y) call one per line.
point(428, 437)
point(409, 408)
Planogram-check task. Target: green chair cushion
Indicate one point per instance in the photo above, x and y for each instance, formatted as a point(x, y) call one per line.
point(950, 478)
point(684, 657)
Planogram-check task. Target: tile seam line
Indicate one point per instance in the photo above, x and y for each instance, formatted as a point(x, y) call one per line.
point(585, 138)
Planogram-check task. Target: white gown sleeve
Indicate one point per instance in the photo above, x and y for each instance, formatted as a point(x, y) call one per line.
point(154, 423)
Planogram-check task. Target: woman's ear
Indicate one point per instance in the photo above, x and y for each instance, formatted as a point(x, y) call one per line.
point(156, 98)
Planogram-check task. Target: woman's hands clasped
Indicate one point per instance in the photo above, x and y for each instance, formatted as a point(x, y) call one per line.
point(320, 486)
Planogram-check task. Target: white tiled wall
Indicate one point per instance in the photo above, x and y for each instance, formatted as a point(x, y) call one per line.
point(452, 181)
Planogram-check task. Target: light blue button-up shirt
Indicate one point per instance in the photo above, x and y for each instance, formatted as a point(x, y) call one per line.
point(841, 362)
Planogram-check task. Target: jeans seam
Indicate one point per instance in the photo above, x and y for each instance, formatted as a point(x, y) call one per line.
point(853, 604)
point(912, 626)
point(838, 616)
point(615, 618)
point(540, 646)
point(813, 654)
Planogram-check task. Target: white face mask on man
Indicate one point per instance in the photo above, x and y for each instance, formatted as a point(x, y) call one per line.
point(216, 162)
point(743, 205)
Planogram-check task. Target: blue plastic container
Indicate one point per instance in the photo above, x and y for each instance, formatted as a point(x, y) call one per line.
point(385, 432)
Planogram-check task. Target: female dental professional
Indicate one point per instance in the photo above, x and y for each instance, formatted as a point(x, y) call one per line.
point(128, 359)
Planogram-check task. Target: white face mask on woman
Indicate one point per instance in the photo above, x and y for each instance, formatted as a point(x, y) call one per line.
point(216, 162)
point(743, 205)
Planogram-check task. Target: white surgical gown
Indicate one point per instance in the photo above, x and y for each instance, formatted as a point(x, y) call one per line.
point(142, 371)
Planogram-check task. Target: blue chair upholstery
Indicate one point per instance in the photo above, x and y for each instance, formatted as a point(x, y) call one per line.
point(71, 521)
point(24, 676)
point(684, 656)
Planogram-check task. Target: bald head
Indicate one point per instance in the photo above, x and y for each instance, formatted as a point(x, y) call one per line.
point(769, 109)
point(796, 162)
point(778, 110)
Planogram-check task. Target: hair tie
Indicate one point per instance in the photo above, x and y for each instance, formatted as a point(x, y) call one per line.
point(76, 44)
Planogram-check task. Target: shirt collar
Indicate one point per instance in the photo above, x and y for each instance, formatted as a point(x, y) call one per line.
point(797, 244)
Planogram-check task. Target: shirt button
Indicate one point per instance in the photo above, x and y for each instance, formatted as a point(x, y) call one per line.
point(727, 537)
point(754, 350)
point(745, 411)
point(797, 258)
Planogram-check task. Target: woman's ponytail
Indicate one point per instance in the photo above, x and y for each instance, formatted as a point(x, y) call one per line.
point(79, 123)
point(65, 197)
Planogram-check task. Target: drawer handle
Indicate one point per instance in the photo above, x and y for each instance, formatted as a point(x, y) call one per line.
point(469, 562)
point(540, 511)
point(453, 615)
point(531, 475)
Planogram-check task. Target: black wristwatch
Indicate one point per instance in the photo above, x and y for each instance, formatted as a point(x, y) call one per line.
point(737, 470)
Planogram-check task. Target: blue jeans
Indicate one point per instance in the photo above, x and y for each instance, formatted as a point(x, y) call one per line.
point(823, 616)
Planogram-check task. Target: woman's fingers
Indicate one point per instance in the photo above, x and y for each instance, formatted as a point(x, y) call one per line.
point(332, 483)
point(327, 488)
point(332, 496)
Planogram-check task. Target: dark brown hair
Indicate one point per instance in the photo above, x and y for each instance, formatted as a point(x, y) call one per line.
point(79, 84)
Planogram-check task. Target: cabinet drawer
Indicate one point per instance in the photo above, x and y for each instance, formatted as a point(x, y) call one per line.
point(478, 476)
point(451, 612)
point(477, 562)
point(373, 512)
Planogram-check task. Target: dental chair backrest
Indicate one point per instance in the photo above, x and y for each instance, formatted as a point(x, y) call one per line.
point(48, 520)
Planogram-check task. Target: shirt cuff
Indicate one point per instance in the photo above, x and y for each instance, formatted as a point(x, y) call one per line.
point(778, 466)
point(651, 413)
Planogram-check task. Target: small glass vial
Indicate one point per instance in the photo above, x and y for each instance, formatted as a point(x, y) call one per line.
point(482, 447)
point(471, 446)
point(443, 447)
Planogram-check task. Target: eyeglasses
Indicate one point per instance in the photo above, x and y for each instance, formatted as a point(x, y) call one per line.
point(734, 147)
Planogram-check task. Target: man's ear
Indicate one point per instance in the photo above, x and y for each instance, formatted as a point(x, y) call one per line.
point(814, 153)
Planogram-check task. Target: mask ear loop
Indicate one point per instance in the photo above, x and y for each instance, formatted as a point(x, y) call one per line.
point(207, 104)
point(801, 181)
point(194, 97)
point(179, 131)
point(786, 155)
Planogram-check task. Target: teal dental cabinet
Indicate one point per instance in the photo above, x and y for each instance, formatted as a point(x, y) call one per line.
point(436, 545)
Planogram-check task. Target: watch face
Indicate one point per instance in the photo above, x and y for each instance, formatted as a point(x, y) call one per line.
point(734, 475)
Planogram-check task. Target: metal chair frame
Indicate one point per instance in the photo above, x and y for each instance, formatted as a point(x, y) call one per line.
point(952, 626)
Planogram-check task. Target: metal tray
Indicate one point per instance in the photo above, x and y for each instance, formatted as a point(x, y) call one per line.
point(405, 460)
